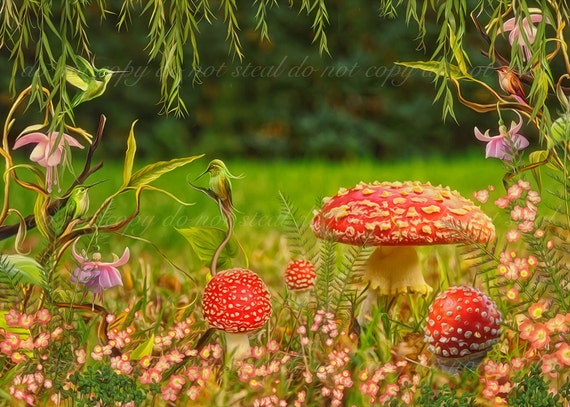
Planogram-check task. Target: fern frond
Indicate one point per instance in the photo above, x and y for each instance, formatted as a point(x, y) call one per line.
point(298, 231)
point(326, 269)
point(10, 281)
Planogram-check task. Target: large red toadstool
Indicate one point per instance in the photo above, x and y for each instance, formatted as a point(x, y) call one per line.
point(462, 325)
point(237, 302)
point(395, 216)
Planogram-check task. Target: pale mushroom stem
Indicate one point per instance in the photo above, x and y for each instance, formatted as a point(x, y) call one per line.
point(302, 297)
point(237, 345)
point(391, 270)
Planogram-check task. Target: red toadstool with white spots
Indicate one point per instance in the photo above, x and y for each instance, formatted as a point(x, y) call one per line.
point(300, 278)
point(237, 302)
point(462, 325)
point(395, 216)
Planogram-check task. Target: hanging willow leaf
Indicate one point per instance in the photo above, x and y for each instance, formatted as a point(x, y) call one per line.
point(436, 67)
point(129, 156)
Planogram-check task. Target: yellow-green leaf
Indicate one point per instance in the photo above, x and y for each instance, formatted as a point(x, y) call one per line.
point(25, 269)
point(144, 349)
point(205, 240)
point(559, 132)
point(130, 156)
point(435, 67)
point(151, 172)
point(537, 157)
point(41, 217)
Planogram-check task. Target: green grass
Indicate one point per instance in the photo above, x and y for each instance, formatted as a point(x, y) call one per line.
point(305, 183)
point(256, 195)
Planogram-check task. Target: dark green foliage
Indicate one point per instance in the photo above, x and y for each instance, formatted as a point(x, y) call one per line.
point(100, 385)
point(444, 397)
point(532, 390)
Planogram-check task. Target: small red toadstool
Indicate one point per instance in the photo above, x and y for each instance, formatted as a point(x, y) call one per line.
point(395, 216)
point(237, 302)
point(300, 277)
point(462, 325)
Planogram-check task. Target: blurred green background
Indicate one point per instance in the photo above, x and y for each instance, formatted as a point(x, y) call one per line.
point(283, 99)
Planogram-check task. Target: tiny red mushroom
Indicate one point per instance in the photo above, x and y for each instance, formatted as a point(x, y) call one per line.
point(300, 278)
point(462, 325)
point(395, 216)
point(237, 302)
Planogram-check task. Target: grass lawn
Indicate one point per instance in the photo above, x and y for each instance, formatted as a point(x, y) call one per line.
point(304, 183)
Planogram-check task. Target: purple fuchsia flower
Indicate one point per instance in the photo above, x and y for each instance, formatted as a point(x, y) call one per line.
point(522, 32)
point(506, 143)
point(96, 275)
point(47, 153)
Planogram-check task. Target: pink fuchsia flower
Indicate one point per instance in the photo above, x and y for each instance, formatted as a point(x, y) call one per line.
point(50, 151)
point(522, 32)
point(96, 275)
point(506, 143)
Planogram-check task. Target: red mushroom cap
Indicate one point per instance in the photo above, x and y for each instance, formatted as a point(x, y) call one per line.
point(463, 323)
point(236, 301)
point(300, 275)
point(401, 214)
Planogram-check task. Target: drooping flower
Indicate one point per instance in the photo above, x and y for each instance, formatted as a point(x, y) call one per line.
point(522, 32)
point(49, 152)
point(96, 275)
point(504, 144)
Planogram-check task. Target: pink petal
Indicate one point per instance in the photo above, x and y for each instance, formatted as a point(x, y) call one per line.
point(515, 127)
point(109, 277)
point(496, 148)
point(54, 157)
point(123, 260)
point(537, 18)
point(39, 138)
point(76, 256)
point(38, 154)
point(72, 142)
point(507, 25)
point(519, 142)
point(482, 137)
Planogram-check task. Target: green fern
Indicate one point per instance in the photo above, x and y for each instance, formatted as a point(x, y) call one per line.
point(299, 235)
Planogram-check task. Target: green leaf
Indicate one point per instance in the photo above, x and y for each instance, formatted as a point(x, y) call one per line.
point(536, 157)
point(154, 171)
point(204, 241)
point(27, 269)
point(129, 156)
point(559, 132)
point(143, 349)
point(436, 68)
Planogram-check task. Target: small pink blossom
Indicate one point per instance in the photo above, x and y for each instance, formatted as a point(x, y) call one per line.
point(43, 316)
point(512, 294)
point(502, 202)
point(47, 153)
point(514, 192)
point(481, 196)
point(513, 235)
